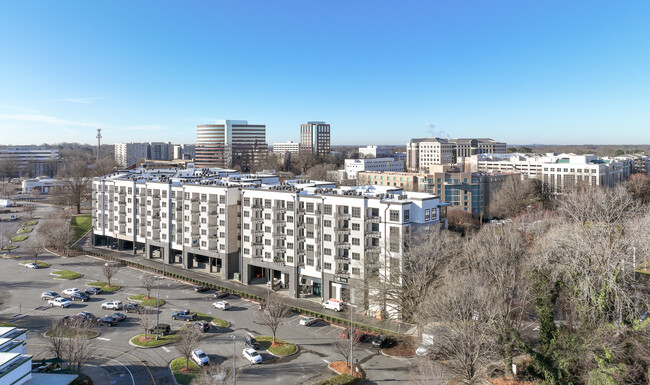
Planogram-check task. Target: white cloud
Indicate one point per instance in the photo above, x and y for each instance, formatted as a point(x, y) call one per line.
point(89, 100)
point(48, 120)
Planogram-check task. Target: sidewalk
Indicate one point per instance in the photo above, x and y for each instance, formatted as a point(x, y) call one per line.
point(312, 306)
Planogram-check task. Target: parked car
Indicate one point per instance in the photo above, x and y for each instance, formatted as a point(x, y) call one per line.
point(221, 294)
point(202, 326)
point(62, 302)
point(358, 335)
point(32, 265)
point(184, 315)
point(50, 295)
point(118, 316)
point(70, 291)
point(112, 305)
point(333, 304)
point(223, 305)
point(200, 357)
point(201, 289)
point(382, 341)
point(162, 329)
point(252, 356)
point(132, 307)
point(94, 290)
point(86, 315)
point(306, 321)
point(251, 342)
point(107, 321)
point(79, 296)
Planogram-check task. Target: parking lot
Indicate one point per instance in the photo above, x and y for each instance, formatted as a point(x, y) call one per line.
point(117, 362)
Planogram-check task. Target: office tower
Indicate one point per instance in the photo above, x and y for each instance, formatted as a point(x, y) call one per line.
point(230, 143)
point(315, 138)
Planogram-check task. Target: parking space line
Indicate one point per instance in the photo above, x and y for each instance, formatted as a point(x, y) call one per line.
point(332, 331)
point(165, 349)
point(103, 338)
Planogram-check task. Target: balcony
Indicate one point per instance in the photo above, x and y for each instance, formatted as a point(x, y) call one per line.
point(194, 200)
point(279, 209)
point(372, 234)
point(343, 216)
point(279, 221)
point(280, 248)
point(280, 236)
point(214, 212)
point(342, 230)
point(257, 207)
point(342, 245)
point(373, 219)
point(343, 273)
point(278, 260)
point(342, 257)
point(257, 219)
point(259, 232)
point(372, 248)
point(258, 245)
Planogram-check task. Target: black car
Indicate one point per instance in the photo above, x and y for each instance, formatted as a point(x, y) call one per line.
point(85, 315)
point(200, 325)
point(119, 317)
point(162, 329)
point(201, 289)
point(132, 307)
point(382, 341)
point(251, 342)
point(94, 290)
point(221, 294)
point(107, 321)
point(79, 296)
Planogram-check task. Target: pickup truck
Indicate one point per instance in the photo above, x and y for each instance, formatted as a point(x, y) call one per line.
point(333, 304)
point(184, 315)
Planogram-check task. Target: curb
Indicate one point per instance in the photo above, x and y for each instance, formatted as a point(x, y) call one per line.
point(147, 347)
point(391, 356)
point(288, 355)
point(363, 374)
point(44, 335)
point(219, 327)
point(172, 372)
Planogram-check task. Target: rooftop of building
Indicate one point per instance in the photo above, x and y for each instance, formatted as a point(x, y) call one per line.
point(549, 158)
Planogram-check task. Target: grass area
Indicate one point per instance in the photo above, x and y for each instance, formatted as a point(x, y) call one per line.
point(341, 379)
point(283, 348)
point(31, 223)
point(68, 274)
point(81, 224)
point(69, 333)
point(153, 342)
point(208, 318)
point(25, 230)
point(146, 301)
point(7, 324)
point(10, 247)
point(39, 263)
point(10, 256)
point(104, 286)
point(181, 376)
point(19, 238)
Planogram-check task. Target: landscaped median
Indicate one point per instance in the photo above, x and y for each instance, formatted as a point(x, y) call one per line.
point(183, 376)
point(10, 247)
point(40, 264)
point(25, 230)
point(31, 223)
point(7, 324)
point(213, 320)
point(279, 348)
point(104, 286)
point(70, 332)
point(19, 238)
point(151, 342)
point(67, 274)
point(147, 301)
point(341, 379)
point(10, 256)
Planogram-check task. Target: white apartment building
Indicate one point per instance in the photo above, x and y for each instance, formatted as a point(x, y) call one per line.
point(284, 147)
point(424, 152)
point(312, 239)
point(160, 151)
point(184, 151)
point(374, 152)
point(127, 154)
point(558, 171)
point(353, 166)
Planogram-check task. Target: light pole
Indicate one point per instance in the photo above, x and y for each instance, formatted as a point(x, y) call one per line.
point(234, 359)
point(351, 335)
point(158, 301)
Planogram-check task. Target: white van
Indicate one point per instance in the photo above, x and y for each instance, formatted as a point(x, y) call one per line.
point(333, 304)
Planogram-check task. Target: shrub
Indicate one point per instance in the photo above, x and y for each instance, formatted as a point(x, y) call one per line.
point(341, 379)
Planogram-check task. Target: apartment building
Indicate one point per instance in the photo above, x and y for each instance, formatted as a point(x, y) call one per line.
point(424, 152)
point(128, 154)
point(286, 147)
point(160, 151)
point(184, 151)
point(374, 152)
point(315, 138)
point(557, 171)
point(311, 238)
point(468, 191)
point(30, 161)
point(230, 143)
point(353, 166)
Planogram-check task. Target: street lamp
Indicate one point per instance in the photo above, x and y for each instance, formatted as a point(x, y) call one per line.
point(351, 335)
point(158, 301)
point(234, 358)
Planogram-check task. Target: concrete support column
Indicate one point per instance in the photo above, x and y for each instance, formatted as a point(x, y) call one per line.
point(186, 259)
point(245, 274)
point(147, 250)
point(294, 284)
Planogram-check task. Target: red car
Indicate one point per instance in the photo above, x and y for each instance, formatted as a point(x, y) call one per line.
point(359, 335)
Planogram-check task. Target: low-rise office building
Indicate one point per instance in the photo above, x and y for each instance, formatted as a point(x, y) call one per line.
point(374, 152)
point(284, 147)
point(353, 166)
point(310, 238)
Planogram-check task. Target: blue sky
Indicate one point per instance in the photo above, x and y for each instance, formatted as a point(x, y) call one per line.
point(380, 72)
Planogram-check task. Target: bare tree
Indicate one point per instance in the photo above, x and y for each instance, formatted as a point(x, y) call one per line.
point(428, 371)
point(33, 247)
point(146, 319)
point(639, 188)
point(9, 167)
point(29, 209)
point(54, 230)
point(342, 346)
point(273, 314)
point(76, 179)
point(515, 195)
point(148, 281)
point(188, 339)
point(219, 374)
point(109, 271)
point(56, 337)
point(6, 189)
point(78, 348)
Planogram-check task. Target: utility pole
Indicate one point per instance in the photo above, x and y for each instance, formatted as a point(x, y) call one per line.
point(158, 300)
point(234, 358)
point(351, 335)
point(99, 138)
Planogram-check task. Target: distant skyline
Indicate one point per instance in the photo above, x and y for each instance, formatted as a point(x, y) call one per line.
point(377, 72)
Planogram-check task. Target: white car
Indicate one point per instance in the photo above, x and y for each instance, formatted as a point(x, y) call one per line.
point(70, 291)
point(223, 305)
point(62, 302)
point(252, 356)
point(31, 265)
point(306, 321)
point(112, 305)
point(200, 357)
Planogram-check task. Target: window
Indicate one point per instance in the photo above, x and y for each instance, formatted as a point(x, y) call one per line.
point(310, 207)
point(247, 251)
point(203, 220)
point(246, 214)
point(310, 247)
point(327, 223)
point(356, 212)
point(222, 199)
point(267, 229)
point(289, 218)
point(427, 215)
point(267, 203)
point(356, 256)
point(204, 232)
point(327, 251)
point(289, 231)
point(356, 271)
point(267, 242)
point(394, 215)
point(247, 226)
point(310, 220)
point(327, 237)
point(356, 226)
point(289, 245)
point(327, 266)
point(247, 201)
point(327, 209)
point(310, 234)
point(247, 238)
point(407, 214)
point(289, 205)
point(356, 242)
point(267, 216)
point(309, 261)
